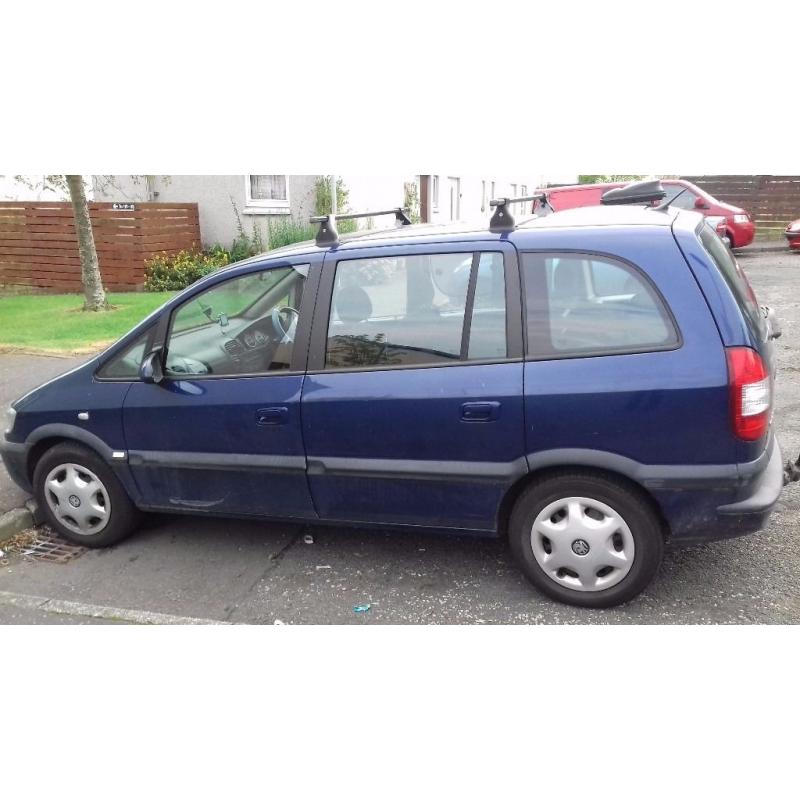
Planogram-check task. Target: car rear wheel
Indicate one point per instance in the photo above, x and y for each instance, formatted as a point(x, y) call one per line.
point(81, 497)
point(586, 539)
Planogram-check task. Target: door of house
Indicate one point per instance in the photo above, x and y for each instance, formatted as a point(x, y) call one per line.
point(455, 198)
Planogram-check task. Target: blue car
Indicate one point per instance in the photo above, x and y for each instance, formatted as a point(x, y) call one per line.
point(594, 384)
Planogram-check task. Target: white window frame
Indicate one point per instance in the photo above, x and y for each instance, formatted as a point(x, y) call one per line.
point(256, 206)
point(435, 192)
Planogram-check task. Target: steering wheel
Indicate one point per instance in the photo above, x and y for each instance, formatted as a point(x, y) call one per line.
point(286, 332)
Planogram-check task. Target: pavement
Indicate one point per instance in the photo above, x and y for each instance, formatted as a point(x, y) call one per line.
point(187, 569)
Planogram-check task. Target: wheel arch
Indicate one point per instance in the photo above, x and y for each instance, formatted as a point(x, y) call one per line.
point(547, 470)
point(48, 436)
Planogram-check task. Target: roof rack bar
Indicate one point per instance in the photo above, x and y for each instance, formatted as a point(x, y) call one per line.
point(327, 235)
point(502, 220)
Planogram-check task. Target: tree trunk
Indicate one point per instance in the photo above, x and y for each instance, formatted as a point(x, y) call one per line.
point(93, 292)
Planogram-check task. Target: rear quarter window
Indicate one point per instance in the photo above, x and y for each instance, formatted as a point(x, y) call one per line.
point(584, 305)
point(734, 277)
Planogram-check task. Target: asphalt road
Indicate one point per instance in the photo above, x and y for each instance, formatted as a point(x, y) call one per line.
point(262, 573)
point(20, 374)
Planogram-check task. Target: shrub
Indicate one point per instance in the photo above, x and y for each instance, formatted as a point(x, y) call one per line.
point(322, 188)
point(283, 232)
point(166, 273)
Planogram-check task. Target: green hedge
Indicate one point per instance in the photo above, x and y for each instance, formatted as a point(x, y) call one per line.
point(168, 273)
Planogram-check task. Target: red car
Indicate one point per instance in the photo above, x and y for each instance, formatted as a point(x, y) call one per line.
point(793, 235)
point(739, 226)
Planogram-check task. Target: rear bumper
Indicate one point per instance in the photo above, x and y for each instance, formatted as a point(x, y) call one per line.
point(750, 511)
point(15, 458)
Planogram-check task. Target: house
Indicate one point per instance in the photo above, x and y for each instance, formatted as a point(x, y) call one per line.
point(224, 201)
point(258, 201)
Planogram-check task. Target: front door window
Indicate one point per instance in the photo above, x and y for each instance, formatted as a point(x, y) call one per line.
point(243, 326)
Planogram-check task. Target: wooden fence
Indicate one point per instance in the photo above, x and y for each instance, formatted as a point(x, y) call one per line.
point(773, 200)
point(39, 246)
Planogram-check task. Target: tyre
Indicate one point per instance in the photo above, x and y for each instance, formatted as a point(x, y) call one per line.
point(585, 539)
point(81, 497)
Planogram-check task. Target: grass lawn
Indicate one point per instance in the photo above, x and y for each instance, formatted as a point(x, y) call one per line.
point(57, 323)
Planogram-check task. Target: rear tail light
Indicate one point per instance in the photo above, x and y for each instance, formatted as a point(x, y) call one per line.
point(750, 393)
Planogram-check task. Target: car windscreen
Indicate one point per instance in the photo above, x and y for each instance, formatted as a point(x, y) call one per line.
point(734, 277)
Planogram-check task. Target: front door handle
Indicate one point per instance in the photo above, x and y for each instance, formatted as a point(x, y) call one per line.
point(482, 411)
point(275, 415)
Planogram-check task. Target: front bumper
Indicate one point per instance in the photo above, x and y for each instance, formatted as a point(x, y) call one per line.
point(15, 458)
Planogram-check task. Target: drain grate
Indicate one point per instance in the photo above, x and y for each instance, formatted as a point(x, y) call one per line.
point(48, 546)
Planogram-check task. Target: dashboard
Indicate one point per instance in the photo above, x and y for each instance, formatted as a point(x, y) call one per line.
point(243, 346)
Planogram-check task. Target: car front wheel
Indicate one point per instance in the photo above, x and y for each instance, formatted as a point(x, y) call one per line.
point(586, 539)
point(81, 497)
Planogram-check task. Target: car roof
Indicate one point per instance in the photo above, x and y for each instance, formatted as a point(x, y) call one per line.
point(591, 216)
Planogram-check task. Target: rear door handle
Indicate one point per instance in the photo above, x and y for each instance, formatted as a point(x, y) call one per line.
point(483, 411)
point(275, 415)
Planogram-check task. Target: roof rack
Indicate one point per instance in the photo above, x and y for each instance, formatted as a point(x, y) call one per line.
point(639, 192)
point(502, 220)
point(327, 235)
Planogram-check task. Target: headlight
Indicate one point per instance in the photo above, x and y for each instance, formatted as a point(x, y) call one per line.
point(11, 415)
point(740, 218)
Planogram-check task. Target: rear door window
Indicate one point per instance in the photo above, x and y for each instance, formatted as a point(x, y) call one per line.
point(411, 310)
point(582, 305)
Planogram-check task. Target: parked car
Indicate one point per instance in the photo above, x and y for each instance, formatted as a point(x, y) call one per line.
point(739, 228)
point(594, 384)
point(793, 235)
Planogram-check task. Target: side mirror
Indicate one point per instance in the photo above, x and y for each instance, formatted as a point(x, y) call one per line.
point(151, 370)
point(700, 203)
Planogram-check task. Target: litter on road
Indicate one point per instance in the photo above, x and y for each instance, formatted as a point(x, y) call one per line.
point(308, 539)
point(363, 608)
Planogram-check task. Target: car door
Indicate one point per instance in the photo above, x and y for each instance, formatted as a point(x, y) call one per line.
point(221, 432)
point(412, 406)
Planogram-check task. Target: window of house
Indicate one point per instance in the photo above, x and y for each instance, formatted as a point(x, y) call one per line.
point(583, 305)
point(243, 326)
point(410, 310)
point(524, 191)
point(435, 192)
point(513, 189)
point(483, 195)
point(266, 194)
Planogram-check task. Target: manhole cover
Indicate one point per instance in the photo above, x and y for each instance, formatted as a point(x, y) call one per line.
point(48, 546)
